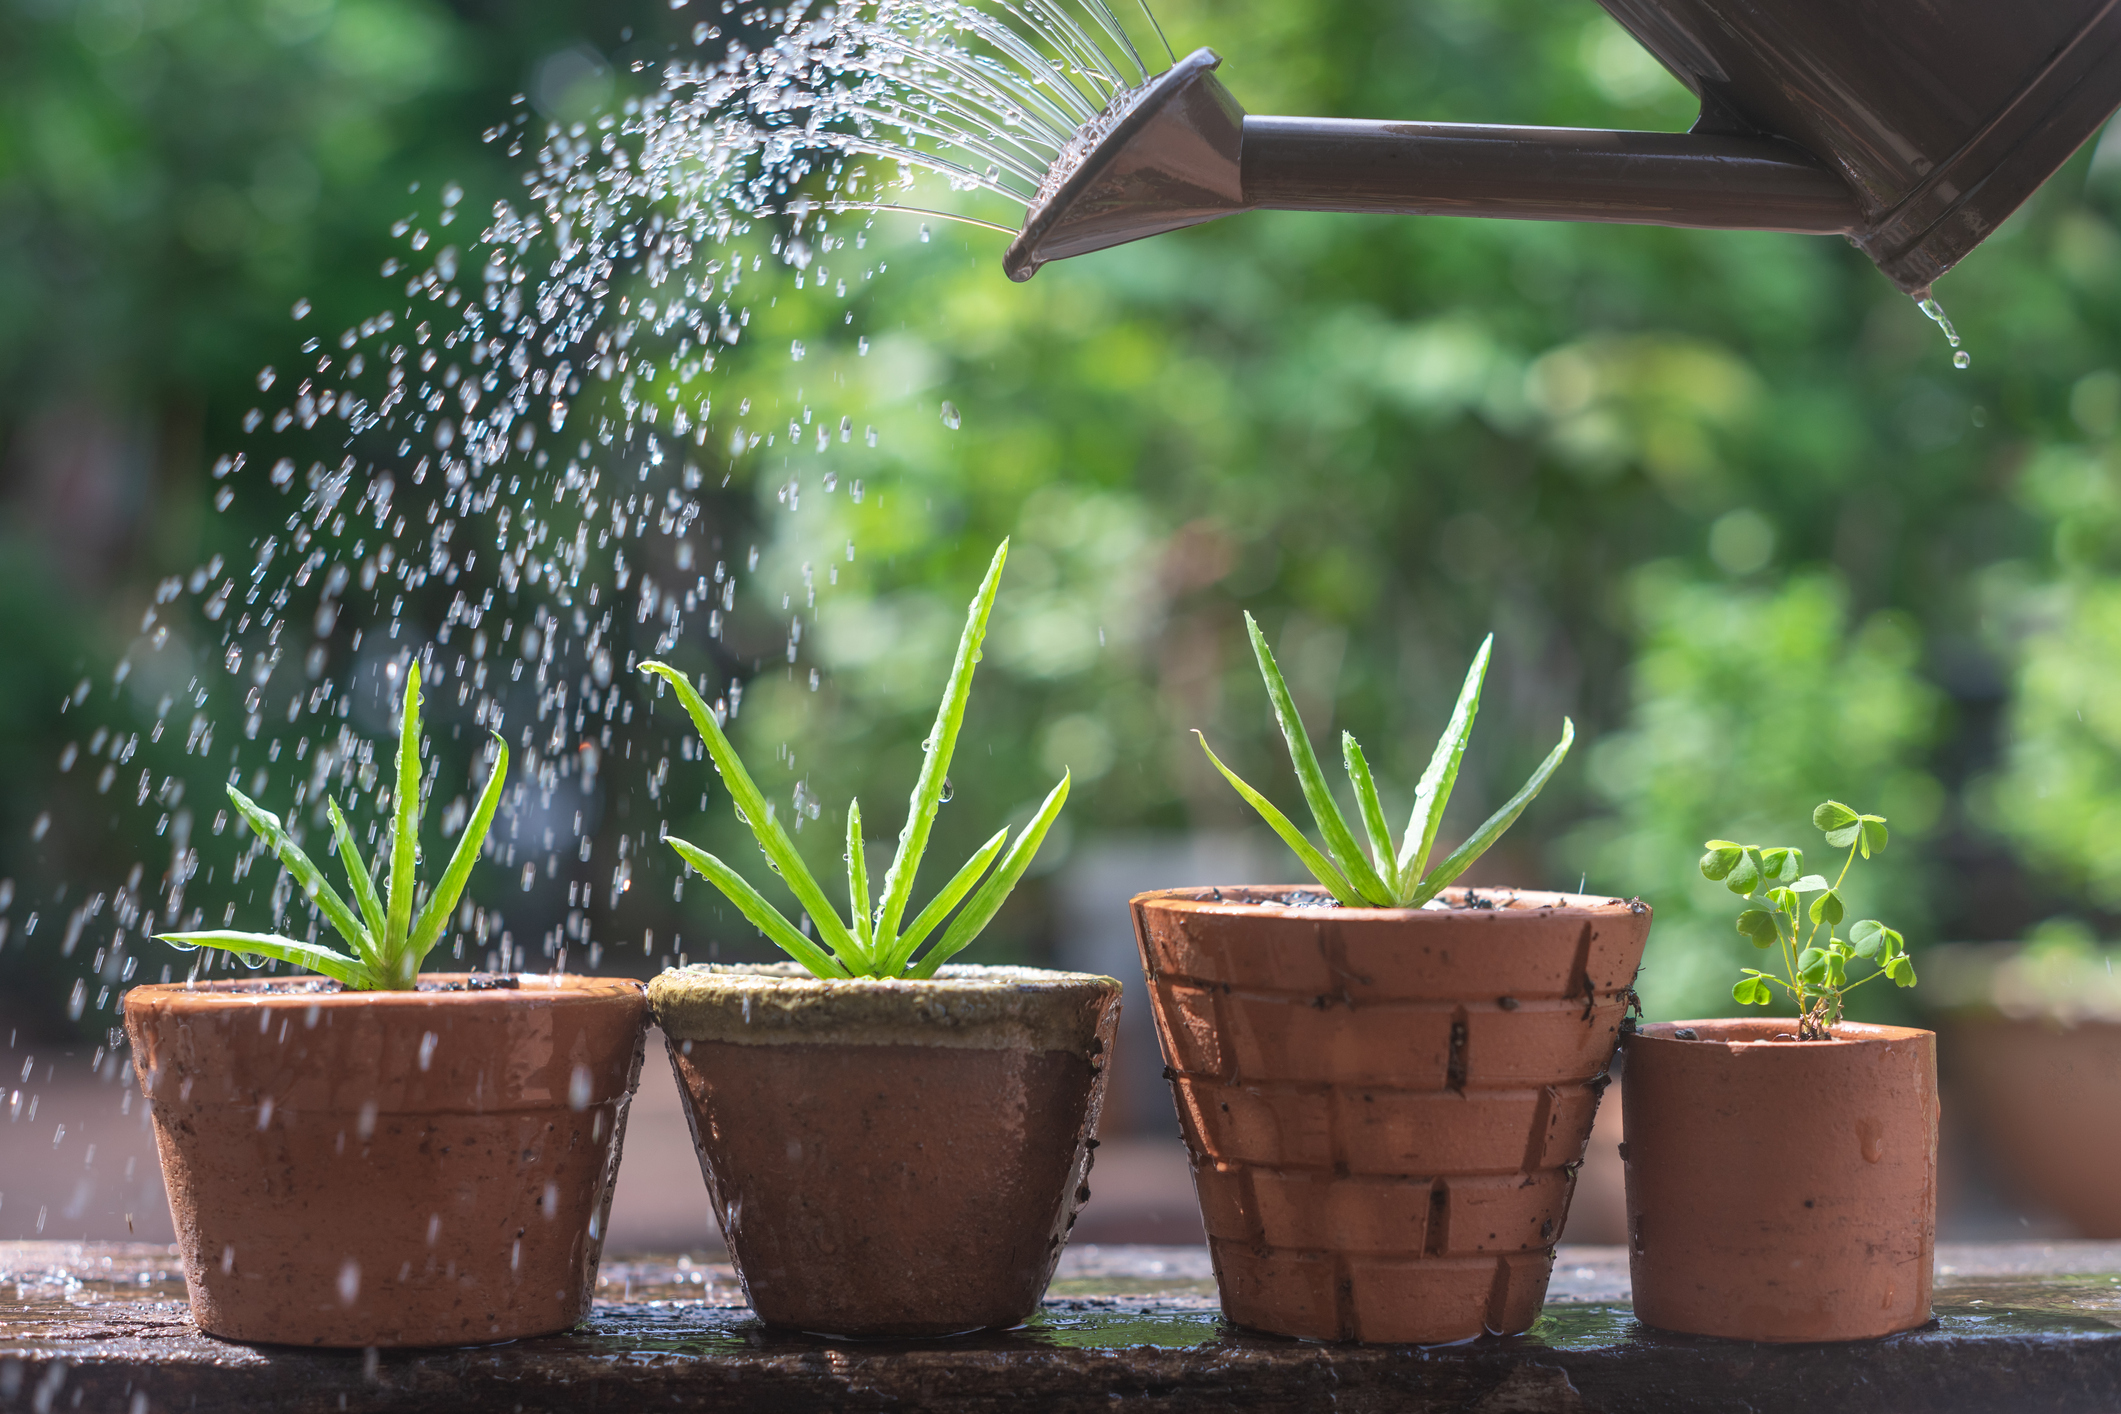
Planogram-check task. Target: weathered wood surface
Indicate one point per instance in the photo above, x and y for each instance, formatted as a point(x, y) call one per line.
point(2019, 1328)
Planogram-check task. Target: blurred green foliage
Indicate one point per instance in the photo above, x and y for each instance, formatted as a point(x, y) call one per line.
point(1721, 497)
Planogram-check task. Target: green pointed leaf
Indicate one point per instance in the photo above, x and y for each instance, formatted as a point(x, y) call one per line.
point(1722, 858)
point(858, 900)
point(916, 932)
point(434, 917)
point(364, 883)
point(1811, 884)
point(1433, 792)
point(1744, 875)
point(337, 966)
point(1827, 908)
point(980, 909)
point(935, 761)
point(1462, 858)
point(1332, 825)
point(306, 875)
point(1373, 810)
point(763, 915)
point(404, 831)
point(1322, 868)
point(751, 808)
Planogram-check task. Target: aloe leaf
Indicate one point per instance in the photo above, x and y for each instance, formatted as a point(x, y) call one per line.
point(935, 759)
point(939, 907)
point(981, 908)
point(306, 874)
point(1373, 811)
point(404, 828)
point(763, 915)
point(1321, 867)
point(435, 916)
point(1434, 790)
point(858, 878)
point(1332, 825)
point(773, 841)
point(1460, 859)
point(337, 966)
point(364, 883)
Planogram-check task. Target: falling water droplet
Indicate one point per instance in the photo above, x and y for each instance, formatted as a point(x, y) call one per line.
point(1961, 359)
point(301, 309)
point(952, 418)
point(924, 233)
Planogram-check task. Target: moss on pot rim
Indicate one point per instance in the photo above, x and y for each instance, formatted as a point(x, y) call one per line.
point(974, 1008)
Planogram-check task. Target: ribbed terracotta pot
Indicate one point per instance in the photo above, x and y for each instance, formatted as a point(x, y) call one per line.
point(2043, 1094)
point(891, 1158)
point(388, 1168)
point(1385, 1107)
point(1778, 1189)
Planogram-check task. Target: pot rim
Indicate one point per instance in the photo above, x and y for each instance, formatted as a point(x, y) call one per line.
point(1846, 1033)
point(225, 993)
point(1508, 902)
point(964, 1005)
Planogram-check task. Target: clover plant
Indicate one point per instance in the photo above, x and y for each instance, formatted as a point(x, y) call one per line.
point(1389, 877)
point(385, 941)
point(1815, 957)
point(873, 942)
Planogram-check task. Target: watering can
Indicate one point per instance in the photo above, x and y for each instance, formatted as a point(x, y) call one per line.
point(1911, 127)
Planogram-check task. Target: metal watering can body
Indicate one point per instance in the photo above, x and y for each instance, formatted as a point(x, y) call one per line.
point(1912, 127)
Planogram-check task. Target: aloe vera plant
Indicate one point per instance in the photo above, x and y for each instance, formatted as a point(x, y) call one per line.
point(1389, 876)
point(874, 941)
point(385, 939)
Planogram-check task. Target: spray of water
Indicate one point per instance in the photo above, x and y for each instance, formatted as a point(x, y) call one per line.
point(536, 463)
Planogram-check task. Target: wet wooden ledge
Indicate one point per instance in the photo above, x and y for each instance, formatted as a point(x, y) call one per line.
point(2019, 1327)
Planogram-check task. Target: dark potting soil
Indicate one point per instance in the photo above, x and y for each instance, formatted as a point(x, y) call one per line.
point(325, 986)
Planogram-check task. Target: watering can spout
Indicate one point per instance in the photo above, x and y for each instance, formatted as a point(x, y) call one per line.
point(1911, 132)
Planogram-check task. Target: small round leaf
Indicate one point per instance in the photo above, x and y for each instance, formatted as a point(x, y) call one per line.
point(1722, 857)
point(1758, 925)
point(1833, 815)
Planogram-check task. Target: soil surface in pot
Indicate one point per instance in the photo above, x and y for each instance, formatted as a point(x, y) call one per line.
point(1385, 1107)
point(892, 1157)
point(1781, 1189)
point(428, 1167)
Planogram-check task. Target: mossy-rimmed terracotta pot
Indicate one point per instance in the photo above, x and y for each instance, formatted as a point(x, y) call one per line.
point(1385, 1107)
point(891, 1157)
point(1781, 1190)
point(389, 1168)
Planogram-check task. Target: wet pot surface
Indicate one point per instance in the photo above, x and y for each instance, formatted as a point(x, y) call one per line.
point(902, 1159)
point(1780, 1189)
point(394, 1168)
point(1385, 1106)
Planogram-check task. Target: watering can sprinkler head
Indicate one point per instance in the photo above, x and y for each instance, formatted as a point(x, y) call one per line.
point(1911, 127)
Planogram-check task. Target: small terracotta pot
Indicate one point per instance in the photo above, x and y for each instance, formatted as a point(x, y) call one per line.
point(388, 1168)
point(1781, 1190)
point(891, 1157)
point(1385, 1107)
point(2043, 1094)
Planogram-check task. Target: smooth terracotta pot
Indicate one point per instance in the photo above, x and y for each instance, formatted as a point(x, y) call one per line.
point(891, 1157)
point(1385, 1107)
point(2044, 1093)
point(1781, 1190)
point(388, 1168)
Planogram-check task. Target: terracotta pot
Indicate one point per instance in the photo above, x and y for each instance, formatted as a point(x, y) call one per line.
point(1385, 1107)
point(1780, 1189)
point(2043, 1094)
point(388, 1168)
point(891, 1157)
